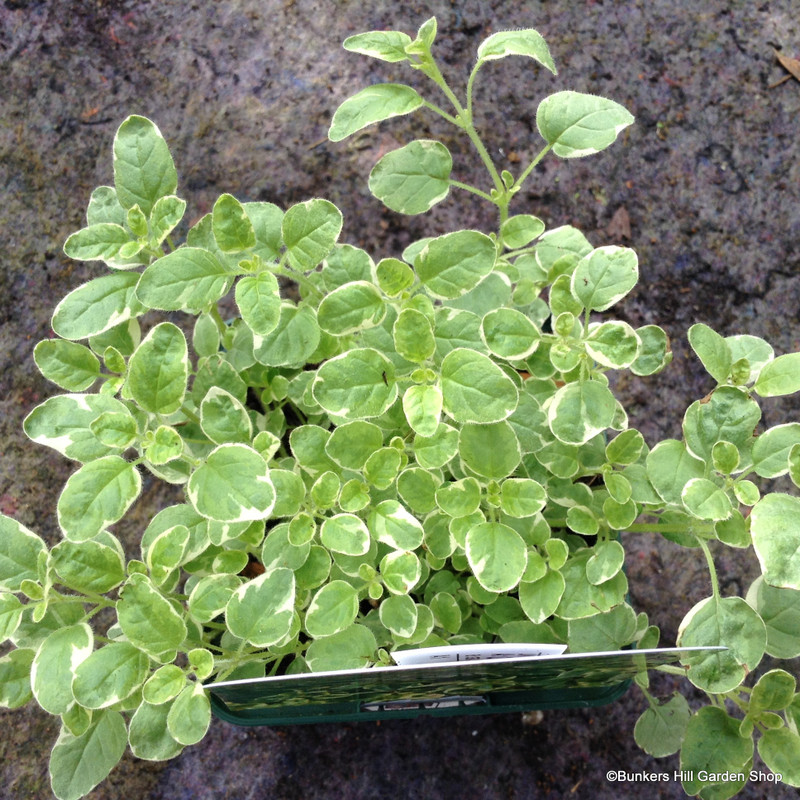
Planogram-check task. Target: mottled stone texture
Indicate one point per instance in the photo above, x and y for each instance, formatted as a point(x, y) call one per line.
point(706, 186)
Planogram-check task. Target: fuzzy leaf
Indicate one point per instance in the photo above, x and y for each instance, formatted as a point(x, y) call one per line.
point(413, 178)
point(370, 105)
point(578, 124)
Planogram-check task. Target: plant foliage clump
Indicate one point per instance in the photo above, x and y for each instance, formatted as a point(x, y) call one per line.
point(415, 452)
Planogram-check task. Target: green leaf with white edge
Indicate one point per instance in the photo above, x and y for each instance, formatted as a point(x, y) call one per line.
point(351, 308)
point(401, 571)
point(581, 598)
point(775, 528)
point(357, 384)
point(97, 306)
point(232, 485)
point(772, 448)
point(540, 598)
point(510, 334)
point(391, 522)
point(259, 302)
point(426, 34)
point(310, 231)
point(166, 683)
point(780, 376)
point(612, 344)
point(604, 276)
point(332, 609)
point(475, 389)
point(373, 104)
point(148, 733)
point(352, 648)
point(522, 497)
point(583, 520)
point(266, 219)
point(437, 449)
point(398, 613)
point(97, 495)
point(15, 678)
point(520, 230)
point(158, 370)
point(713, 754)
point(779, 748)
point(606, 561)
point(232, 228)
point(703, 499)
point(148, 620)
point(260, 611)
point(101, 242)
point(104, 207)
point(755, 350)
point(453, 264)
point(577, 124)
point(625, 448)
point(166, 214)
point(20, 550)
point(89, 566)
point(210, 595)
point(660, 730)
point(726, 621)
point(609, 630)
point(654, 352)
point(10, 615)
point(224, 419)
point(490, 450)
point(460, 498)
point(712, 349)
point(114, 429)
point(166, 446)
point(143, 166)
point(422, 406)
point(167, 552)
point(729, 416)
point(413, 336)
point(394, 276)
point(65, 423)
point(580, 411)
point(526, 42)
point(292, 341)
point(773, 691)
point(780, 610)
point(382, 467)
point(413, 178)
point(190, 715)
point(54, 666)
point(670, 466)
point(345, 533)
point(497, 556)
point(352, 443)
point(79, 763)
point(384, 45)
point(109, 675)
point(187, 279)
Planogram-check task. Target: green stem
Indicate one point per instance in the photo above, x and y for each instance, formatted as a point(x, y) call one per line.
point(523, 177)
point(442, 113)
point(467, 188)
point(190, 415)
point(711, 568)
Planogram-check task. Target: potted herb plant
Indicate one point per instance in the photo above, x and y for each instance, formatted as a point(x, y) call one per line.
point(415, 452)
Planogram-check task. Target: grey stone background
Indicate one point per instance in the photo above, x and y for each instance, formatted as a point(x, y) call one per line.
point(705, 186)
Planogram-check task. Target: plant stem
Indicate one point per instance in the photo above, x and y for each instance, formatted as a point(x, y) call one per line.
point(711, 568)
point(523, 177)
point(467, 188)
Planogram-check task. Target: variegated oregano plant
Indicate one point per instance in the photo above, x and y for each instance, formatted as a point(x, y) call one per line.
point(414, 452)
